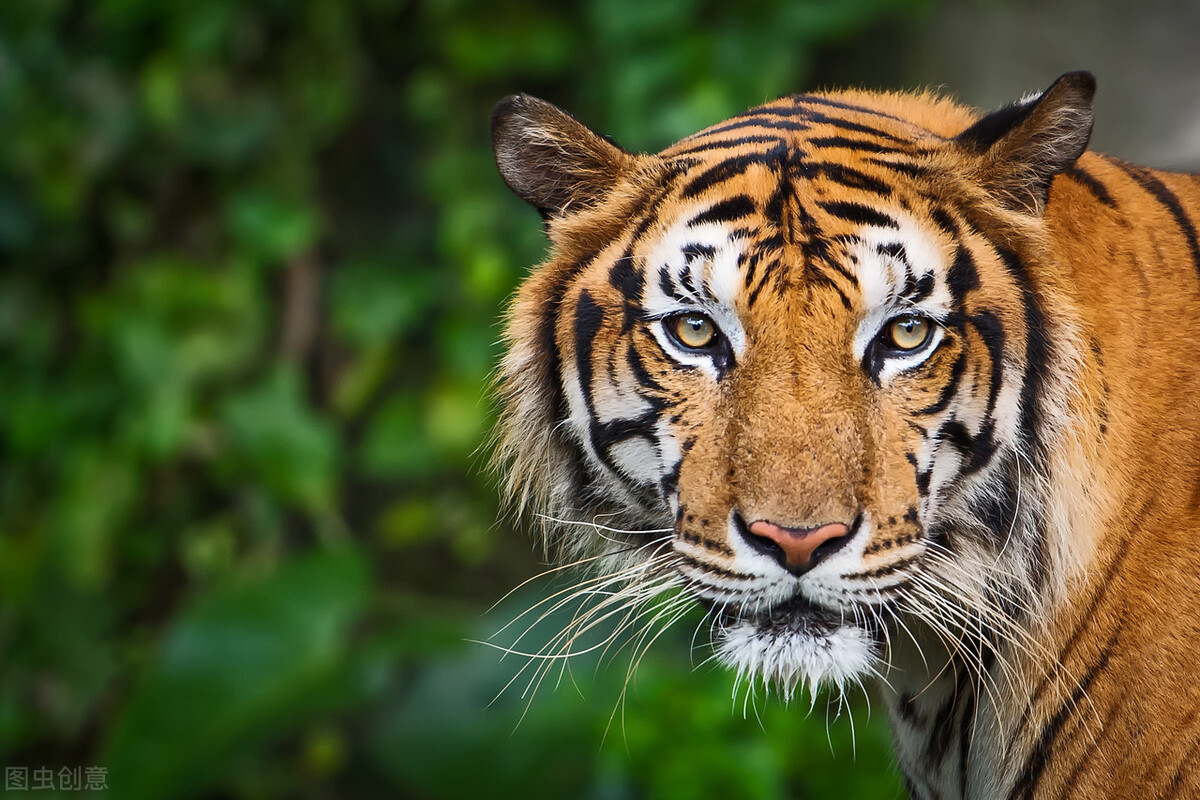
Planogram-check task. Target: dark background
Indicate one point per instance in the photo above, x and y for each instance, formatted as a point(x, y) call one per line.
point(252, 261)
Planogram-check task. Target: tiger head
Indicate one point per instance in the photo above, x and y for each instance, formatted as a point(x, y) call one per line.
point(805, 365)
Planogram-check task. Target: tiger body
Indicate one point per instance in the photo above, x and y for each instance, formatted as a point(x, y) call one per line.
point(996, 525)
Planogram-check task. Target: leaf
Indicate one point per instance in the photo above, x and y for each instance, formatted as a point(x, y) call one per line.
point(270, 225)
point(277, 439)
point(238, 669)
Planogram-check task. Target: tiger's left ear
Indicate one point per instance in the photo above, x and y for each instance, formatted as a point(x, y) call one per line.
point(1023, 146)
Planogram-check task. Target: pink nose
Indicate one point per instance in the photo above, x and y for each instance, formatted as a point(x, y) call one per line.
point(799, 544)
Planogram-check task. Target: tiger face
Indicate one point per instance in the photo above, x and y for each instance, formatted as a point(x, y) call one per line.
point(802, 351)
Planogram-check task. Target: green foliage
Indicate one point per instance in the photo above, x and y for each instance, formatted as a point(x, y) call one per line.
point(234, 667)
point(254, 260)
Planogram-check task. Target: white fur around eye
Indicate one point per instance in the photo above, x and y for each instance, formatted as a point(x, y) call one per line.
point(881, 279)
point(720, 276)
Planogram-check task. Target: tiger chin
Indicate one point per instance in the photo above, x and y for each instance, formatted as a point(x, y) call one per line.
point(902, 394)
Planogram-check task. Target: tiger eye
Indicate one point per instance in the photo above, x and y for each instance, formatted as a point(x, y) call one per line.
point(694, 330)
point(908, 332)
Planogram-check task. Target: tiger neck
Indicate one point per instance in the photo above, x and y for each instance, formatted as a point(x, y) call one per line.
point(950, 741)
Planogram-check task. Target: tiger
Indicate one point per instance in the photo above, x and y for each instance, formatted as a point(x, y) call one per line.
point(887, 386)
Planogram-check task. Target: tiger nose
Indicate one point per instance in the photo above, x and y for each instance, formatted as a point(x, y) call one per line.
point(798, 549)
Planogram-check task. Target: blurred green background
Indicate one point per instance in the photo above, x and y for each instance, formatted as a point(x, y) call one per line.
point(252, 261)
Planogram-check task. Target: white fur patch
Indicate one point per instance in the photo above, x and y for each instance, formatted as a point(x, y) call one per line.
point(637, 458)
point(881, 278)
point(717, 282)
point(788, 658)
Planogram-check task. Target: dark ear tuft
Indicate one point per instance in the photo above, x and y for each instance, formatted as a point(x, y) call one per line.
point(550, 159)
point(1024, 145)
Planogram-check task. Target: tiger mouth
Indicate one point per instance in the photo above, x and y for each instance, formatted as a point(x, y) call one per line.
point(797, 615)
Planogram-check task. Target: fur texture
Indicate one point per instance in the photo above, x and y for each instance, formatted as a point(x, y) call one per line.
point(1020, 491)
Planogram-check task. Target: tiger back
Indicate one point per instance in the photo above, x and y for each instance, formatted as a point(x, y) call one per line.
point(902, 395)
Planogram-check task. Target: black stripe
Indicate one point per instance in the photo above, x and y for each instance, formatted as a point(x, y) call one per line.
point(890, 544)
point(966, 734)
point(857, 127)
point(1090, 182)
point(713, 569)
point(1165, 196)
point(956, 372)
point(629, 282)
point(1037, 351)
point(728, 210)
point(1039, 758)
point(685, 277)
point(727, 143)
point(643, 378)
point(940, 729)
point(837, 267)
point(851, 143)
point(893, 250)
point(977, 450)
point(916, 290)
point(1187, 761)
point(589, 318)
point(694, 251)
point(997, 511)
point(887, 569)
point(992, 333)
point(749, 262)
point(848, 176)
point(829, 102)
point(772, 243)
point(817, 118)
point(730, 168)
point(904, 167)
point(780, 212)
point(669, 483)
point(707, 544)
point(858, 213)
point(753, 120)
point(963, 276)
point(769, 267)
point(944, 221)
point(606, 435)
point(922, 478)
point(666, 284)
point(547, 332)
point(819, 278)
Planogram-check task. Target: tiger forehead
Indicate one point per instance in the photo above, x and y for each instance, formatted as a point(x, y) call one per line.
point(824, 150)
point(769, 223)
point(889, 123)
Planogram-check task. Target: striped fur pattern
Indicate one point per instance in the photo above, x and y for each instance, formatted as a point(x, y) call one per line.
point(1018, 570)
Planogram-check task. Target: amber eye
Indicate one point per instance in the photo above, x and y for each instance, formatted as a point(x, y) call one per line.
point(908, 332)
point(693, 330)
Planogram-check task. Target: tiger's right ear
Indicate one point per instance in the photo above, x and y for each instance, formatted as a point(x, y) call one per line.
point(550, 159)
point(1020, 148)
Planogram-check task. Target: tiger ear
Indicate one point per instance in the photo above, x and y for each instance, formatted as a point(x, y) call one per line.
point(550, 159)
point(1022, 146)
